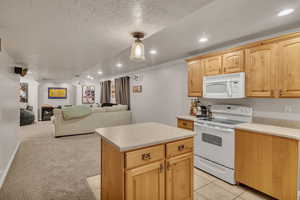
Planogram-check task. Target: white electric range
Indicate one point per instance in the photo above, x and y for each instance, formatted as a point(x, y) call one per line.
point(215, 140)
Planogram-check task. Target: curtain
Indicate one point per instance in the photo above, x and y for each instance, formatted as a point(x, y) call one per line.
point(105, 91)
point(122, 87)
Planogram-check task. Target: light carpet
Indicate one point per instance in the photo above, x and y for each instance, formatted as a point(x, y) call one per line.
point(48, 168)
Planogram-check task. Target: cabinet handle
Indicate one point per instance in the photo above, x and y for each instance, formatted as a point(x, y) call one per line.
point(168, 166)
point(161, 168)
point(146, 156)
point(181, 147)
point(184, 123)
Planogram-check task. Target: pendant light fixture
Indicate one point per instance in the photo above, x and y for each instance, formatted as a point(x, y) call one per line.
point(137, 48)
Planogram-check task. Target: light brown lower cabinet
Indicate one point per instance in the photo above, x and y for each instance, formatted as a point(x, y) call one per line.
point(180, 178)
point(267, 163)
point(146, 182)
point(160, 172)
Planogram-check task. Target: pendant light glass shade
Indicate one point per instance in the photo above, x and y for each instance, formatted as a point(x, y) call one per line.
point(137, 51)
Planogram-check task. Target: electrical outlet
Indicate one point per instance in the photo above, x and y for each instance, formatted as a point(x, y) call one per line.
point(288, 109)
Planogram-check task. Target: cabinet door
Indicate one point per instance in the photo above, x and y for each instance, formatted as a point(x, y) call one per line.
point(212, 66)
point(289, 68)
point(147, 182)
point(254, 160)
point(267, 163)
point(260, 71)
point(195, 78)
point(233, 62)
point(179, 181)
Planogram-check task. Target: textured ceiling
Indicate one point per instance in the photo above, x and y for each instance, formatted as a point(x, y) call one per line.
point(58, 39)
point(61, 38)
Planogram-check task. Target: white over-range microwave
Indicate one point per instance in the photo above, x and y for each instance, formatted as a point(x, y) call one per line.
point(227, 86)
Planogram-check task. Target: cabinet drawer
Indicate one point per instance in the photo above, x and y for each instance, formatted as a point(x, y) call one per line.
point(186, 124)
point(144, 156)
point(179, 147)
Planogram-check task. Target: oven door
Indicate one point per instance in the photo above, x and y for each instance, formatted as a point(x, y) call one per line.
point(215, 143)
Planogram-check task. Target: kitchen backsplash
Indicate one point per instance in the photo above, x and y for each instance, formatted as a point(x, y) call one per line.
point(287, 109)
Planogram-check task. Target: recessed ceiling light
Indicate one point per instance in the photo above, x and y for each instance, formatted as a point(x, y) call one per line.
point(286, 12)
point(100, 72)
point(119, 65)
point(153, 52)
point(92, 78)
point(203, 39)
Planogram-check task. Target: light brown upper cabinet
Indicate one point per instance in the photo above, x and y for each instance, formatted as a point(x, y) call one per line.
point(195, 77)
point(260, 68)
point(212, 65)
point(272, 67)
point(289, 68)
point(233, 62)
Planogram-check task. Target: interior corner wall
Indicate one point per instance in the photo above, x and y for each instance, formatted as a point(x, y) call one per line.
point(9, 113)
point(164, 94)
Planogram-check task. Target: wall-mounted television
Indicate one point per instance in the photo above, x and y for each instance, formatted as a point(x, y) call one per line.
point(57, 93)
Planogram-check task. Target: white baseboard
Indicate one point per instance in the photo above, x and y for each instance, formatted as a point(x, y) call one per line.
point(4, 173)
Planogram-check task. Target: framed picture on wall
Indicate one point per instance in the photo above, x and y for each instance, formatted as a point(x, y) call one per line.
point(24, 92)
point(88, 94)
point(57, 93)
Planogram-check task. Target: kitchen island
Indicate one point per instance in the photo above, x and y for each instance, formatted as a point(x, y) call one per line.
point(148, 161)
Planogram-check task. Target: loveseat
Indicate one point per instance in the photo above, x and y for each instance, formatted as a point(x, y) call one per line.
point(99, 118)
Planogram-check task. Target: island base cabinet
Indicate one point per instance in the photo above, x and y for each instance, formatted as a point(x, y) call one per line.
point(267, 163)
point(148, 173)
point(146, 182)
point(179, 178)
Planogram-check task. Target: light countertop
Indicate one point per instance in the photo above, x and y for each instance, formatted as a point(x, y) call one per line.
point(187, 117)
point(291, 133)
point(133, 136)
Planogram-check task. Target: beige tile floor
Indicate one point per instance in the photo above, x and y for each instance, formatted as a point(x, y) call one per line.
point(206, 187)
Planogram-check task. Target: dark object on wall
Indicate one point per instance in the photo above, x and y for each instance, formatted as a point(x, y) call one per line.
point(26, 117)
point(105, 91)
point(24, 92)
point(123, 91)
point(108, 104)
point(21, 71)
point(47, 113)
point(88, 94)
point(57, 93)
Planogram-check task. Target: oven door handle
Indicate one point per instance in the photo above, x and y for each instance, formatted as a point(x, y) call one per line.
point(224, 129)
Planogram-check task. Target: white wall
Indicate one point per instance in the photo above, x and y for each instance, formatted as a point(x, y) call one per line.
point(9, 113)
point(33, 87)
point(43, 94)
point(164, 94)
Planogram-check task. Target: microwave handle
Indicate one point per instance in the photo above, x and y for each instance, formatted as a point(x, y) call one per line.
point(228, 88)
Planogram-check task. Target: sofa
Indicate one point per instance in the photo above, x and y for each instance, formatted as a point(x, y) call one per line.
point(99, 118)
point(26, 117)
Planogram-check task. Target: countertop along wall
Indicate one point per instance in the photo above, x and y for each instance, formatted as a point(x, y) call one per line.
point(9, 113)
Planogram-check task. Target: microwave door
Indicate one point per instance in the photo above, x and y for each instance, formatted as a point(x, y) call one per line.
point(216, 90)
